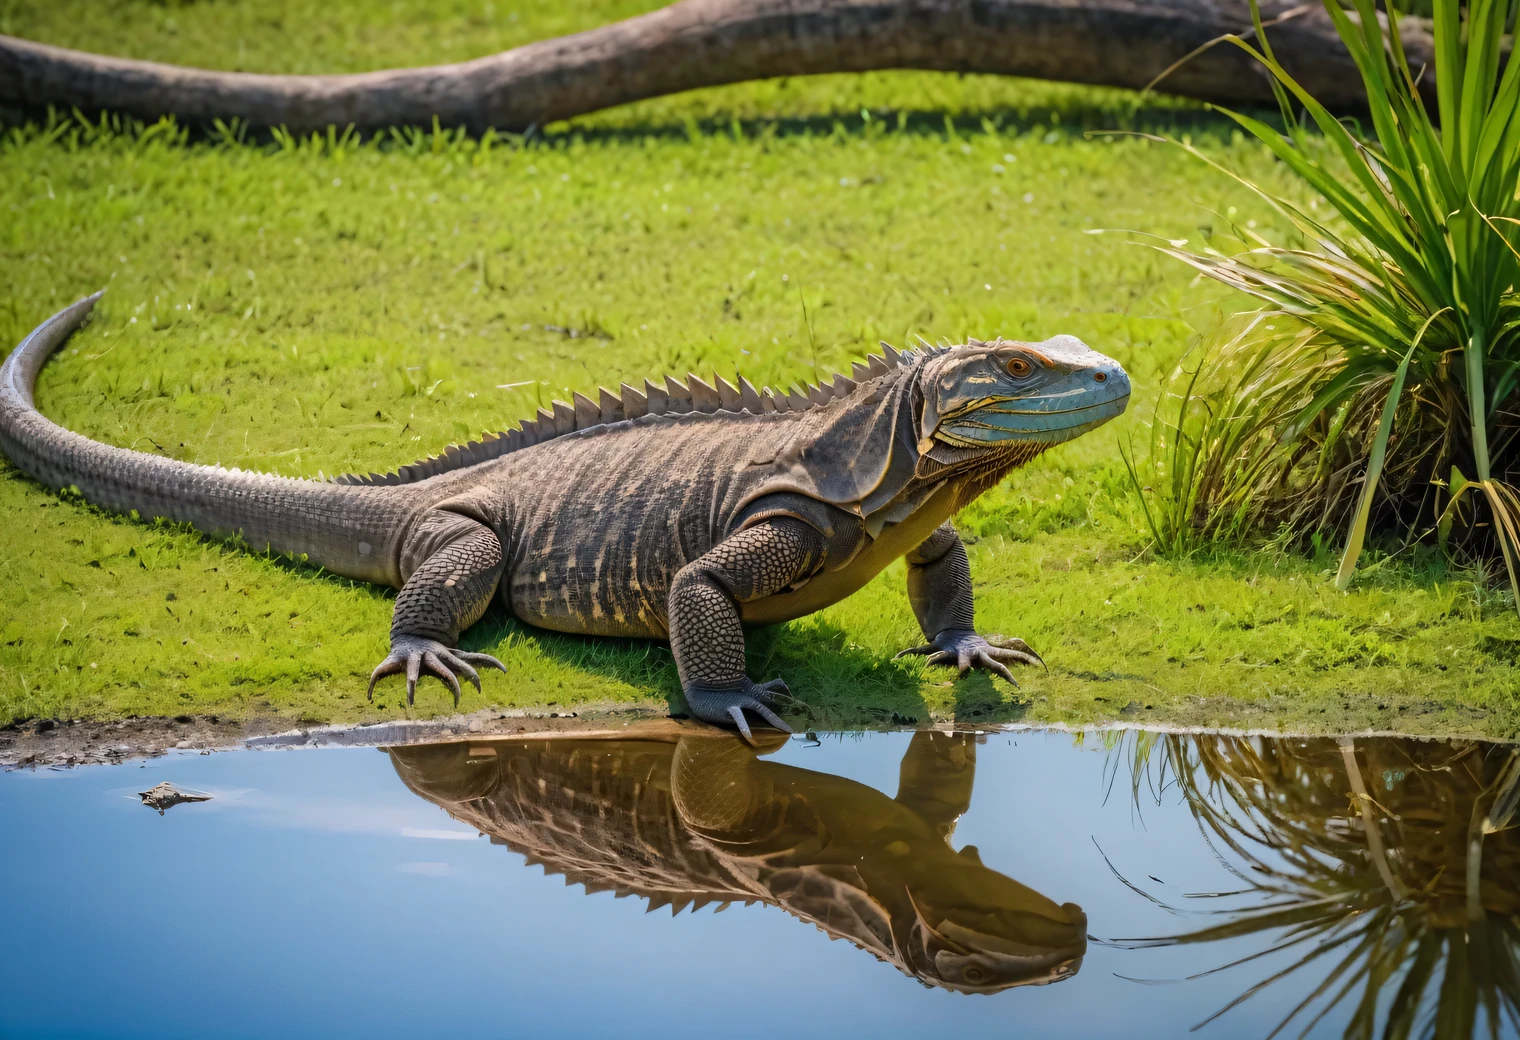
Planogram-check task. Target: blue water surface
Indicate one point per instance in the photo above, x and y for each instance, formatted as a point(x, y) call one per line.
point(316, 895)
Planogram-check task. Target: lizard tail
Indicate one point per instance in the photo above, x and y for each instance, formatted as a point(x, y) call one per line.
point(353, 531)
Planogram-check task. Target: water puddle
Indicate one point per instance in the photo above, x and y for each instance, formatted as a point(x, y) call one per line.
point(1032, 884)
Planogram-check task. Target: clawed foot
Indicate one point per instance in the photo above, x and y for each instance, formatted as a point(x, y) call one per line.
point(726, 705)
point(414, 655)
point(966, 650)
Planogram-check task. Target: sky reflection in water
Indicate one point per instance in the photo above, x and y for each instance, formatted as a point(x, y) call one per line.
point(342, 892)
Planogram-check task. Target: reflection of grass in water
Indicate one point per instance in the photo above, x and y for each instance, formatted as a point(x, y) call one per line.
point(1390, 865)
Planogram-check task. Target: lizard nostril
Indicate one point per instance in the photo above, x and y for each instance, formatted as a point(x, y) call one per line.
point(1100, 376)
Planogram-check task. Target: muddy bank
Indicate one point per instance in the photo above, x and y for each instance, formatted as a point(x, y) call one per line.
point(78, 742)
point(59, 744)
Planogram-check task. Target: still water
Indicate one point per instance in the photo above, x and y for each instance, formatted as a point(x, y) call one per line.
point(1005, 884)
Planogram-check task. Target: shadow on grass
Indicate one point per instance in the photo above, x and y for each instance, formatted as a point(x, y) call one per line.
point(1062, 119)
point(839, 685)
point(982, 698)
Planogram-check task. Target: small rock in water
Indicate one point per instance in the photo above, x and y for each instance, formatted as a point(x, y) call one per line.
point(166, 796)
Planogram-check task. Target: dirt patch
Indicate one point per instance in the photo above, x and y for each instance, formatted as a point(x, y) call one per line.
point(78, 742)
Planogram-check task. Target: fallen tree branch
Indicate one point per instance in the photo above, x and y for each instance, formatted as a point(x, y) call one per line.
point(703, 43)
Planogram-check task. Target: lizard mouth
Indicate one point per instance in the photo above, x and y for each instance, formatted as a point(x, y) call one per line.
point(999, 949)
point(1073, 403)
point(1027, 421)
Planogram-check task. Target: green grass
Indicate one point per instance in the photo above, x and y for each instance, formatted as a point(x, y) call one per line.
point(307, 308)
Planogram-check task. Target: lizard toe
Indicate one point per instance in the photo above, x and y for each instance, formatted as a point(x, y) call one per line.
point(437, 668)
point(736, 713)
point(392, 665)
point(1015, 649)
point(964, 650)
point(413, 673)
point(480, 660)
point(1002, 653)
point(771, 718)
point(456, 663)
point(992, 664)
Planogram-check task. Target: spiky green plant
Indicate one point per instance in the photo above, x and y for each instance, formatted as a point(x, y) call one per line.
point(1385, 357)
point(1386, 866)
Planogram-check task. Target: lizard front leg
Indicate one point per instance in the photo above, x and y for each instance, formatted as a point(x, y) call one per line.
point(939, 588)
point(705, 632)
point(454, 563)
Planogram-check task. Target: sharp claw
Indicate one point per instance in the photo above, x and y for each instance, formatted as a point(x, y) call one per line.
point(483, 660)
point(771, 718)
point(777, 686)
point(386, 667)
point(737, 714)
point(998, 668)
point(437, 667)
point(462, 667)
point(413, 671)
point(417, 656)
point(1025, 653)
point(926, 648)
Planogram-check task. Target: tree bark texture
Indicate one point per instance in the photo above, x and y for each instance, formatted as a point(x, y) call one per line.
point(702, 43)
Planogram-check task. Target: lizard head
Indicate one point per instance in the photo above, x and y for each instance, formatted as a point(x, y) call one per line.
point(976, 931)
point(990, 395)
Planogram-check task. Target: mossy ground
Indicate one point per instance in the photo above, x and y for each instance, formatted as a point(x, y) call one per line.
point(326, 306)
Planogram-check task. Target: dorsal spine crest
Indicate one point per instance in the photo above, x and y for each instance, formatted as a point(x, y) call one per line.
point(671, 397)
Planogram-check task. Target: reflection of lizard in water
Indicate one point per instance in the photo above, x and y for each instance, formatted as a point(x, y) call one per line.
point(699, 818)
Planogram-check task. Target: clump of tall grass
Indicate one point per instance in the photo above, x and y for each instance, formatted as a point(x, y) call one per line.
point(1377, 386)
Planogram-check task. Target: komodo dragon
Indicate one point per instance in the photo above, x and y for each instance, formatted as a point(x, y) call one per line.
point(697, 817)
point(685, 512)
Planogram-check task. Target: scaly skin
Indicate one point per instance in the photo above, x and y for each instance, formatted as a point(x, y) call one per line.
point(685, 512)
point(686, 818)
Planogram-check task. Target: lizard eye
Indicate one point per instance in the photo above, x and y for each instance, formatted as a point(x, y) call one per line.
point(1019, 367)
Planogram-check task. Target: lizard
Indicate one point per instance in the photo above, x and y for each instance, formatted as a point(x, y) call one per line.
point(682, 511)
point(684, 817)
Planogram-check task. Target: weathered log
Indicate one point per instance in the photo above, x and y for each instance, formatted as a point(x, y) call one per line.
point(702, 43)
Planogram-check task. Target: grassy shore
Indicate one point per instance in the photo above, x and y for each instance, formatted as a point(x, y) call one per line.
point(323, 305)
